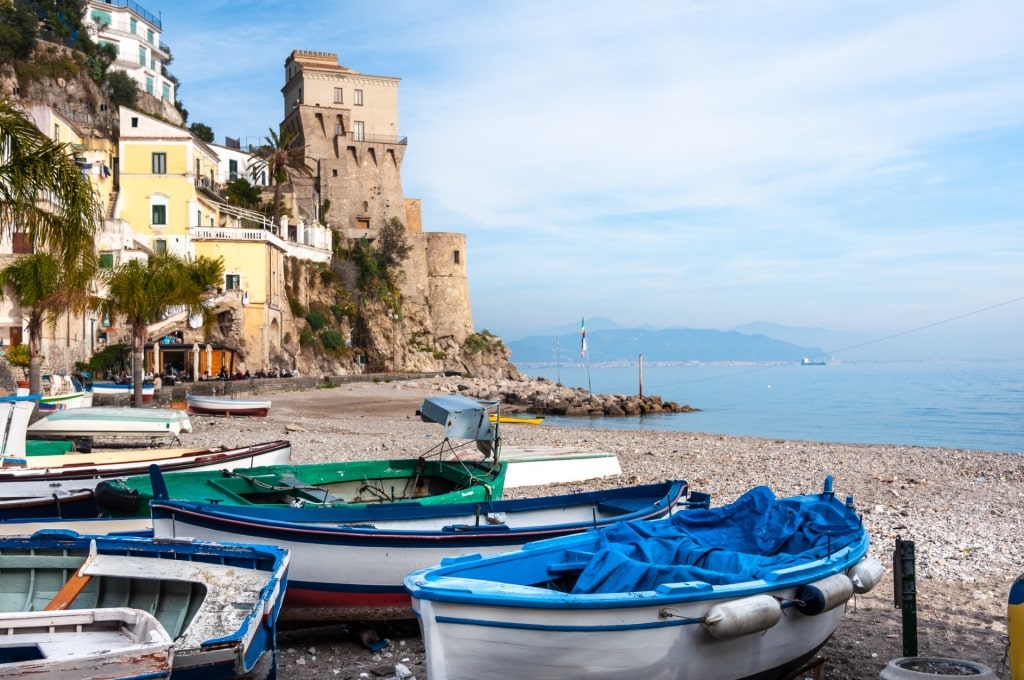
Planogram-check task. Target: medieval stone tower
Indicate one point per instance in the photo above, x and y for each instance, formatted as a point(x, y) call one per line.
point(347, 123)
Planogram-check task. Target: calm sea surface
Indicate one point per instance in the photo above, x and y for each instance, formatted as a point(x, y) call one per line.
point(962, 404)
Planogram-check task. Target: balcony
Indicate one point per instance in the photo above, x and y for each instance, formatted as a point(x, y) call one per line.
point(377, 139)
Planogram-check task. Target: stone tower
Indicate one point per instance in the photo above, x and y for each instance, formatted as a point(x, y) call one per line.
point(347, 123)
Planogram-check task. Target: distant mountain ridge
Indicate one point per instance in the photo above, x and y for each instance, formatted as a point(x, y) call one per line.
point(607, 343)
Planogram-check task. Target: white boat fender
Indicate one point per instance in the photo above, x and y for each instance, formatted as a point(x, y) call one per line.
point(824, 595)
point(744, 616)
point(866, 574)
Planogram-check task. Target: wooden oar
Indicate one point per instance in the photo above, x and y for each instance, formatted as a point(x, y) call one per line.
point(75, 584)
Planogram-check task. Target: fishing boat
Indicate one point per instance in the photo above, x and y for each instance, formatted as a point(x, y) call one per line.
point(348, 563)
point(807, 361)
point(219, 603)
point(71, 473)
point(750, 589)
point(116, 642)
point(223, 406)
point(452, 471)
point(111, 422)
point(315, 485)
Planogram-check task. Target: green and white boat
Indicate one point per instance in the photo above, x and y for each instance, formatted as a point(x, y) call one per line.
point(452, 472)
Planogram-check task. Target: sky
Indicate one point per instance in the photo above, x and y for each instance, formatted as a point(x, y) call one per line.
point(851, 166)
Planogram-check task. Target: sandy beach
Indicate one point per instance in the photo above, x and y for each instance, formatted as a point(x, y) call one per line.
point(962, 509)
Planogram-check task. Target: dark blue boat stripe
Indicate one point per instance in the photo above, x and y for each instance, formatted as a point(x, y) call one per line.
point(668, 623)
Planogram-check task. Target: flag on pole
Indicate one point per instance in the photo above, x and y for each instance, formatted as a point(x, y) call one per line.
point(583, 338)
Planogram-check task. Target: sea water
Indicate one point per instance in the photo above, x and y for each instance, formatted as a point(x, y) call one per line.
point(975, 405)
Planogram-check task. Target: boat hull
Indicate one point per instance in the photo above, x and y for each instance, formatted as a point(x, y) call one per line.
point(216, 406)
point(350, 564)
point(93, 643)
point(75, 472)
point(638, 641)
point(111, 421)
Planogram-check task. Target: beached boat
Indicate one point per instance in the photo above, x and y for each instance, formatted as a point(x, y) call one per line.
point(429, 479)
point(349, 563)
point(111, 389)
point(750, 589)
point(223, 406)
point(218, 602)
point(71, 473)
point(316, 485)
point(59, 504)
point(117, 642)
point(111, 422)
point(63, 392)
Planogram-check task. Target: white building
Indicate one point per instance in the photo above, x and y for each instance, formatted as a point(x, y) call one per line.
point(135, 33)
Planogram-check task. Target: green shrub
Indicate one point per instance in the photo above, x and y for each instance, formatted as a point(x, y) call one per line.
point(316, 320)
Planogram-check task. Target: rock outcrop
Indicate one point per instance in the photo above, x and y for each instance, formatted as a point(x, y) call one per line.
point(545, 397)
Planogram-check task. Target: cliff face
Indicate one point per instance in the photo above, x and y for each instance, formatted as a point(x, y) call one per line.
point(58, 79)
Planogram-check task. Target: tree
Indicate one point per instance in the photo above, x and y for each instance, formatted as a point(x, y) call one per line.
point(44, 288)
point(202, 131)
point(278, 155)
point(145, 291)
point(18, 27)
point(243, 194)
point(121, 88)
point(43, 194)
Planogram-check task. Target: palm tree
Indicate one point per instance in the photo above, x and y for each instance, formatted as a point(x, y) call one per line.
point(145, 291)
point(277, 156)
point(43, 194)
point(44, 289)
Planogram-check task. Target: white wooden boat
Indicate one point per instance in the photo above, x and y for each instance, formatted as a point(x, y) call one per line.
point(219, 603)
point(104, 422)
point(121, 388)
point(225, 406)
point(117, 642)
point(42, 476)
point(751, 589)
point(349, 562)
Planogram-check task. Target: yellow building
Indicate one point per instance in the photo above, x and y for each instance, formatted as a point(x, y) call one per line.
point(170, 202)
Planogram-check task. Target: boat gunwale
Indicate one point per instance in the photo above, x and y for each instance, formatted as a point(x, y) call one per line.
point(437, 583)
point(278, 522)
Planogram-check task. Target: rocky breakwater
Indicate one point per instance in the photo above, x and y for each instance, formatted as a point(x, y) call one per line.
point(546, 397)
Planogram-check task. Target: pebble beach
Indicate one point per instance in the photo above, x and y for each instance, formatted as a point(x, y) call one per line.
point(962, 509)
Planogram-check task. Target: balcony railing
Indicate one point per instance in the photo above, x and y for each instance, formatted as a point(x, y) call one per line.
point(138, 9)
point(377, 139)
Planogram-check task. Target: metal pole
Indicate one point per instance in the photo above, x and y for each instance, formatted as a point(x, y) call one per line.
point(641, 376)
point(904, 581)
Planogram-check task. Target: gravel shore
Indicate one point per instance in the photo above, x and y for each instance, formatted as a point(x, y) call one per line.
point(962, 509)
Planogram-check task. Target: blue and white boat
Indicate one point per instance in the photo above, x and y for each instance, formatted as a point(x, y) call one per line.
point(219, 603)
point(349, 562)
point(748, 590)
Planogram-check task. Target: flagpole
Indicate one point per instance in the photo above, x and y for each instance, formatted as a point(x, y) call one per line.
point(583, 351)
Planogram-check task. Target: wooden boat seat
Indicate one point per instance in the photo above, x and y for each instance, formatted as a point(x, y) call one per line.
point(305, 491)
point(575, 562)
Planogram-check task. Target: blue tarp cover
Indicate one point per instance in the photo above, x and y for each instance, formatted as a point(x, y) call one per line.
point(732, 543)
